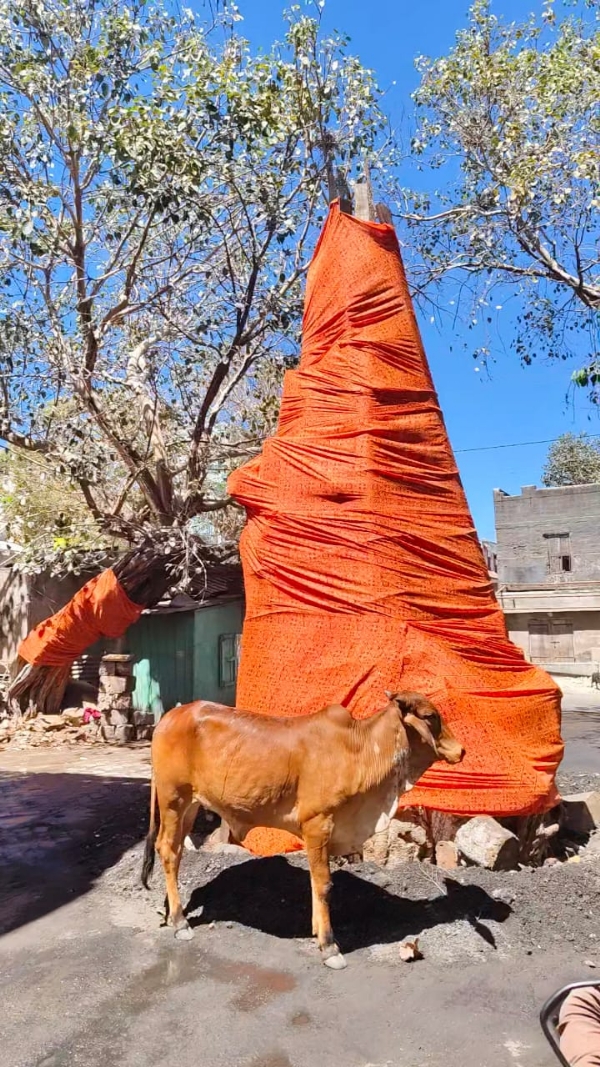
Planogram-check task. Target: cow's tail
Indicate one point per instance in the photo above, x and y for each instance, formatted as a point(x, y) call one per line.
point(150, 849)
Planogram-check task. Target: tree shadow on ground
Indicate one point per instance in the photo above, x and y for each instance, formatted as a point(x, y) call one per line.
point(58, 834)
point(273, 896)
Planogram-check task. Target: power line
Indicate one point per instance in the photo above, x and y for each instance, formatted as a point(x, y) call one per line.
point(517, 444)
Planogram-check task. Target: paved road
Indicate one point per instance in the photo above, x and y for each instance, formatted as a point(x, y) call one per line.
point(89, 979)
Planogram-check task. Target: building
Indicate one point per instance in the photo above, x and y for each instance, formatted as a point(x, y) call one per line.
point(548, 565)
point(187, 648)
point(490, 555)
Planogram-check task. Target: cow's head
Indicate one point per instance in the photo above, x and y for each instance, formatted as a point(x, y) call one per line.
point(429, 737)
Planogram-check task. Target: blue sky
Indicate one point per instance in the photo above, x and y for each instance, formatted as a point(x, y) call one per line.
point(509, 403)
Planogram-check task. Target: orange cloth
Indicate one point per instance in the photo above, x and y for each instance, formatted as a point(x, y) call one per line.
point(363, 570)
point(100, 609)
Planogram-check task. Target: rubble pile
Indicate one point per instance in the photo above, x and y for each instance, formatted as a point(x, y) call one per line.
point(71, 726)
point(568, 833)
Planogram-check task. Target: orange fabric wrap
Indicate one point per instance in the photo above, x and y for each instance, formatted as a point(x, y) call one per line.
point(363, 570)
point(100, 609)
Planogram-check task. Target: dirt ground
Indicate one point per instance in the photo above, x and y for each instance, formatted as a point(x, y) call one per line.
point(88, 976)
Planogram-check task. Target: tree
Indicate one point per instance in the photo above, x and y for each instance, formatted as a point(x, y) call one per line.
point(160, 191)
point(573, 459)
point(509, 127)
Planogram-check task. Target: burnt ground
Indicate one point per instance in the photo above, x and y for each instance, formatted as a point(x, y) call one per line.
point(88, 976)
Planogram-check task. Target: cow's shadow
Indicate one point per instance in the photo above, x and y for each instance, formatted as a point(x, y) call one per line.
point(274, 896)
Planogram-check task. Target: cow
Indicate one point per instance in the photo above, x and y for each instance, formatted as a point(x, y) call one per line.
point(329, 778)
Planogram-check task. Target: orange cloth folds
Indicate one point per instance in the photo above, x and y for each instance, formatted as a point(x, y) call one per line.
point(100, 609)
point(362, 568)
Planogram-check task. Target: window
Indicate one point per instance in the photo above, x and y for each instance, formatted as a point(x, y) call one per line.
point(229, 654)
point(559, 552)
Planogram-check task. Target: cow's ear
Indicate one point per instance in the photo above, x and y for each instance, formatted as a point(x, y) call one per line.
point(422, 728)
point(389, 695)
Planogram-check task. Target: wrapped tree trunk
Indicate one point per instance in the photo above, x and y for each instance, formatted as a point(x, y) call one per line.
point(105, 607)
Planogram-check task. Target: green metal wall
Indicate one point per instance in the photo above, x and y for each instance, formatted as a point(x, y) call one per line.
point(209, 625)
point(177, 656)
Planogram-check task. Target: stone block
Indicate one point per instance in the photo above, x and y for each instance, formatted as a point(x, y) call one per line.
point(115, 685)
point(485, 843)
point(581, 812)
point(446, 855)
point(124, 734)
point(118, 718)
point(107, 702)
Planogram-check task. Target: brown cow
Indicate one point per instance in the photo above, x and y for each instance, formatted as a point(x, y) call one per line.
point(330, 779)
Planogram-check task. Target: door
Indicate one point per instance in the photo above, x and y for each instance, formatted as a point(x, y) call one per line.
point(551, 641)
point(561, 638)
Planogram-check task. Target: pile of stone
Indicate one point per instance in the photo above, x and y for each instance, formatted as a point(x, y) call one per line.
point(449, 841)
point(72, 726)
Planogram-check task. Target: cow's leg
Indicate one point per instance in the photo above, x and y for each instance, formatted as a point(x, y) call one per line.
point(169, 847)
point(316, 833)
point(188, 824)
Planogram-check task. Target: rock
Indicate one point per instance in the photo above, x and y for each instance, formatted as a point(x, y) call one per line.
point(408, 830)
point(504, 895)
point(52, 722)
point(487, 844)
point(220, 836)
point(446, 855)
point(409, 950)
point(401, 851)
point(73, 716)
point(232, 850)
point(592, 849)
point(7, 729)
point(376, 849)
point(581, 812)
point(402, 841)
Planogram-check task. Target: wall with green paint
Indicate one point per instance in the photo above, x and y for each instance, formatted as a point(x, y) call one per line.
point(177, 656)
point(210, 624)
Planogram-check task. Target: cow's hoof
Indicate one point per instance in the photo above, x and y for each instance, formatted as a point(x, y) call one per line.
point(335, 962)
point(184, 933)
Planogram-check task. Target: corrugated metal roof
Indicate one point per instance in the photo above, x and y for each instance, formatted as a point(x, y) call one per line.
point(210, 586)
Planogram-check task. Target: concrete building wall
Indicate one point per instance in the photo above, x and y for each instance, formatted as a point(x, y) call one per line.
point(585, 626)
point(540, 529)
